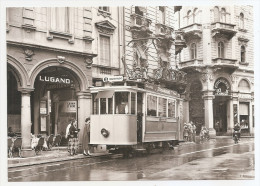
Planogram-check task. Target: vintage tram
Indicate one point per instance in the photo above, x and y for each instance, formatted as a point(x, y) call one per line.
point(127, 118)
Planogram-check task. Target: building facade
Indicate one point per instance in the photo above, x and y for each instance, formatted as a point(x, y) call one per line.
point(54, 56)
point(219, 62)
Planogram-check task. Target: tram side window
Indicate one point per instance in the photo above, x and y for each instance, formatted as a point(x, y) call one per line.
point(133, 102)
point(162, 107)
point(110, 106)
point(95, 104)
point(171, 108)
point(151, 105)
point(121, 103)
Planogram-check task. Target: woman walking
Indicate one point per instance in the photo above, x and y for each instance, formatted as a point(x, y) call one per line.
point(86, 137)
point(73, 138)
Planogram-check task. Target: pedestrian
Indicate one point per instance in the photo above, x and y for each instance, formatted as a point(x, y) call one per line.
point(193, 128)
point(86, 137)
point(189, 131)
point(72, 136)
point(217, 126)
point(185, 132)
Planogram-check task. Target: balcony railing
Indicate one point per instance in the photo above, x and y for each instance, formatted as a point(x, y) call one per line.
point(191, 63)
point(223, 29)
point(224, 63)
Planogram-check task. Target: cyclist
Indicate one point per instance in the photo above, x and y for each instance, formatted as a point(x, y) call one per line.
point(237, 130)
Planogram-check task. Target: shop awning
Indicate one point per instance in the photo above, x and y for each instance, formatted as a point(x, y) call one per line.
point(105, 94)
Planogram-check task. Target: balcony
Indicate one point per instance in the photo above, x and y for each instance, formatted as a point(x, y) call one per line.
point(164, 37)
point(225, 64)
point(170, 77)
point(193, 31)
point(179, 41)
point(140, 26)
point(193, 64)
point(219, 29)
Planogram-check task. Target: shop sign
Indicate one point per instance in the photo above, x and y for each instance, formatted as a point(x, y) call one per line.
point(43, 110)
point(159, 89)
point(54, 79)
point(245, 96)
point(222, 87)
point(68, 106)
point(113, 79)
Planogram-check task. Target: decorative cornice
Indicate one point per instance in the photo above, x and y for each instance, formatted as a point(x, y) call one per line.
point(35, 46)
point(105, 27)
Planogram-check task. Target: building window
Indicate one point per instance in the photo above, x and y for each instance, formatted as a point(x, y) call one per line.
point(244, 86)
point(216, 14)
point(221, 50)
point(104, 50)
point(241, 21)
point(60, 19)
point(223, 15)
point(189, 18)
point(195, 15)
point(193, 50)
point(162, 14)
point(243, 54)
point(104, 8)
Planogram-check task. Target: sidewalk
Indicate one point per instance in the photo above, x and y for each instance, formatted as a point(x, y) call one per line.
point(61, 154)
point(55, 155)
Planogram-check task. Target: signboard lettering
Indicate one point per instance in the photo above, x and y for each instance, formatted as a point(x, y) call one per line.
point(54, 79)
point(113, 79)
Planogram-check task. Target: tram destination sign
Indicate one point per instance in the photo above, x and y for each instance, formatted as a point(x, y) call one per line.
point(161, 90)
point(55, 79)
point(113, 79)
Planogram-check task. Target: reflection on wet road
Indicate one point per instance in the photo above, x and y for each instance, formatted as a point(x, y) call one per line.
point(213, 160)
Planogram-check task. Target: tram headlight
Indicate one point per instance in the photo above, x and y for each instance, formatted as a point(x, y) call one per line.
point(105, 132)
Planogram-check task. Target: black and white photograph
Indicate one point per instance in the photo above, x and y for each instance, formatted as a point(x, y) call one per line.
point(158, 93)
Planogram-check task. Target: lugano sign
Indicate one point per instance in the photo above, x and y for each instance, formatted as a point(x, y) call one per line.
point(222, 87)
point(54, 79)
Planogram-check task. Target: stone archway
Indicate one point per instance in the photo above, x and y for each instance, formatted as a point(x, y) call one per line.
point(80, 90)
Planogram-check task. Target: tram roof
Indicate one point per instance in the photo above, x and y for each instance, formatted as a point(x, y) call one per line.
point(133, 88)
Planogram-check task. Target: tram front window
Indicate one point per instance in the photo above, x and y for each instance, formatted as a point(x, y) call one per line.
point(171, 108)
point(121, 103)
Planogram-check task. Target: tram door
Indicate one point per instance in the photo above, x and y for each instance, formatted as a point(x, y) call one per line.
point(139, 116)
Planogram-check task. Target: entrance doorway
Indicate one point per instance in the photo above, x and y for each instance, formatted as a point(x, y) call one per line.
point(54, 101)
point(220, 114)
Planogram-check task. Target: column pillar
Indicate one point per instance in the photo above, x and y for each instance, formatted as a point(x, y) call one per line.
point(84, 111)
point(26, 118)
point(230, 115)
point(208, 110)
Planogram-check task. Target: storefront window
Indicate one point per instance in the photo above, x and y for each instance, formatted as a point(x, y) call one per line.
point(95, 104)
point(162, 107)
point(151, 105)
point(121, 103)
point(133, 100)
point(171, 108)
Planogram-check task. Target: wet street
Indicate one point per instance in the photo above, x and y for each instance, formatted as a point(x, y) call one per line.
point(219, 159)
